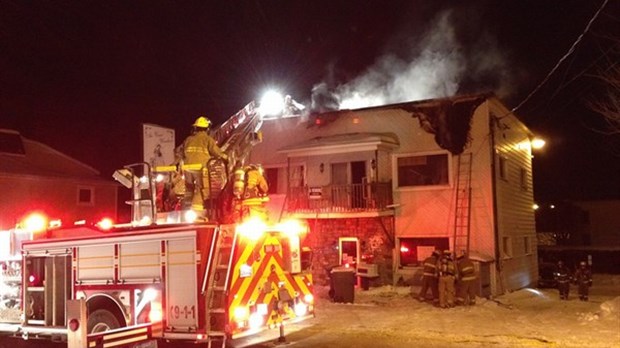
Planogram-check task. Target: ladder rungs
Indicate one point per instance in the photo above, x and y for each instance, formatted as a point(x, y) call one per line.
point(217, 310)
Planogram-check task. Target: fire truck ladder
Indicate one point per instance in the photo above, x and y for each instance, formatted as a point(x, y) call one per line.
point(138, 177)
point(462, 211)
point(215, 286)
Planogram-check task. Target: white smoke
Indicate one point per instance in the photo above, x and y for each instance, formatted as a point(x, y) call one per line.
point(434, 69)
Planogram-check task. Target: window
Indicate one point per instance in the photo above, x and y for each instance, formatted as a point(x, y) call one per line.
point(527, 245)
point(422, 170)
point(507, 247)
point(503, 167)
point(278, 179)
point(523, 178)
point(86, 196)
point(415, 250)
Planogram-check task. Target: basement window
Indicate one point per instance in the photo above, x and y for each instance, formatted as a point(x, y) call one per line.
point(86, 196)
point(415, 250)
point(422, 170)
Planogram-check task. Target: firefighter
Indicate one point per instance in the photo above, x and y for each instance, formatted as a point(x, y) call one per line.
point(563, 278)
point(465, 289)
point(255, 191)
point(429, 277)
point(447, 273)
point(256, 184)
point(198, 148)
point(583, 279)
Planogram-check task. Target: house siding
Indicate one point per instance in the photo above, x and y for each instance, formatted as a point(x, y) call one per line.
point(56, 197)
point(514, 202)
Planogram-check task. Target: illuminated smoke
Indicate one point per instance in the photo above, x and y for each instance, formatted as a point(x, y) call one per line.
point(435, 68)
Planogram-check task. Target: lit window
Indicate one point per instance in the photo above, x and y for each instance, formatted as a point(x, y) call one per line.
point(86, 196)
point(423, 170)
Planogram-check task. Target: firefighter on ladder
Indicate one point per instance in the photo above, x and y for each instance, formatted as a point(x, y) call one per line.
point(198, 148)
point(256, 188)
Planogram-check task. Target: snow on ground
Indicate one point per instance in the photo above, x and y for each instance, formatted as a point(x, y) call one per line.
point(389, 317)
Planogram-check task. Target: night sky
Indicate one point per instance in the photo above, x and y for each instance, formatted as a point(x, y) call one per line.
point(82, 76)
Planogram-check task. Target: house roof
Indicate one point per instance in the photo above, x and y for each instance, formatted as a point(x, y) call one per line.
point(342, 143)
point(449, 119)
point(22, 156)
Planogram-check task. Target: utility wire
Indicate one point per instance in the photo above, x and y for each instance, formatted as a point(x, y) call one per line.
point(570, 51)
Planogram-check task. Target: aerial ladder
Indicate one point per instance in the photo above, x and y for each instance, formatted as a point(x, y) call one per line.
point(236, 137)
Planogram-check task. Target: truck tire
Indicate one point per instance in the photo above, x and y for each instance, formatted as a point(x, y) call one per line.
point(102, 320)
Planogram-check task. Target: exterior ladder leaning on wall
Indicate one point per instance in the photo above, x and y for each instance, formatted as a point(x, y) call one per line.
point(462, 201)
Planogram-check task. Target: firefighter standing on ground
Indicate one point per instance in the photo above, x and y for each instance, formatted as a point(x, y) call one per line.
point(198, 148)
point(562, 277)
point(583, 279)
point(429, 278)
point(465, 290)
point(447, 273)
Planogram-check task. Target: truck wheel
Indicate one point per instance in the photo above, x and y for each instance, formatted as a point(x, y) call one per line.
point(102, 320)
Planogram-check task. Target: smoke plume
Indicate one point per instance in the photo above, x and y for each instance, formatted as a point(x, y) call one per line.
point(437, 66)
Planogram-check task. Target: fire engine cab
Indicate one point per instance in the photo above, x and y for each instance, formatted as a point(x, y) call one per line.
point(164, 277)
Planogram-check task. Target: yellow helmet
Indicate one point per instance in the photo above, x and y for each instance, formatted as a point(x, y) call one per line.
point(202, 122)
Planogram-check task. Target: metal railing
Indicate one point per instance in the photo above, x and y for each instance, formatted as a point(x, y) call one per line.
point(350, 198)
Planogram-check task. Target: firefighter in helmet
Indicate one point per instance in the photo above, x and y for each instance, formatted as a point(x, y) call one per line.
point(583, 279)
point(429, 277)
point(255, 192)
point(447, 274)
point(198, 149)
point(256, 183)
point(563, 278)
point(465, 290)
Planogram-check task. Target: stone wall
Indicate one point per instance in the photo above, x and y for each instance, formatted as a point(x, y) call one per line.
point(376, 238)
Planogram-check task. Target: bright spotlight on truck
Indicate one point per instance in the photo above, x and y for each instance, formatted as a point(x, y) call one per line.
point(271, 104)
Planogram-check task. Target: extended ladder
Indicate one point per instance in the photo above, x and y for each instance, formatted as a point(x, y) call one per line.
point(215, 285)
point(462, 201)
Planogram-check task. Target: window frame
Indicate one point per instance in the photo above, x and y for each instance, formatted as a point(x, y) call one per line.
point(91, 201)
point(502, 166)
point(395, 168)
point(507, 247)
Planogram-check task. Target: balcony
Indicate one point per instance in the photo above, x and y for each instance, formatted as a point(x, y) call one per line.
point(360, 199)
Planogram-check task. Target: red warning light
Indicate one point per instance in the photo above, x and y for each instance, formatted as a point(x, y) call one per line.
point(74, 324)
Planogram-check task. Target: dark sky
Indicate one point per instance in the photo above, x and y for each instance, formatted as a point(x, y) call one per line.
point(82, 76)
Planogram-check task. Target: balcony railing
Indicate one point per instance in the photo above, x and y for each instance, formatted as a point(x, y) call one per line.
point(353, 198)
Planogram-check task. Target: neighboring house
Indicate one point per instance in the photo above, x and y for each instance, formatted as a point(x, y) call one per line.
point(35, 177)
point(379, 186)
point(575, 231)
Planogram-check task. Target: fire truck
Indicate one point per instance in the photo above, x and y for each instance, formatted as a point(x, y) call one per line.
point(165, 277)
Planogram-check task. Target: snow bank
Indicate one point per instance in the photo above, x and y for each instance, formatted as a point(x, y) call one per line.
point(611, 308)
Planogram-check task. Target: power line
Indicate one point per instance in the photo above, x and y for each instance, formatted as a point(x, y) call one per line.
point(570, 51)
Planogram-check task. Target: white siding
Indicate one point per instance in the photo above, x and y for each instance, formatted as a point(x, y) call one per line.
point(515, 214)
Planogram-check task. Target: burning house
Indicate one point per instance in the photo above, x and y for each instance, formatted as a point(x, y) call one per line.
point(382, 187)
